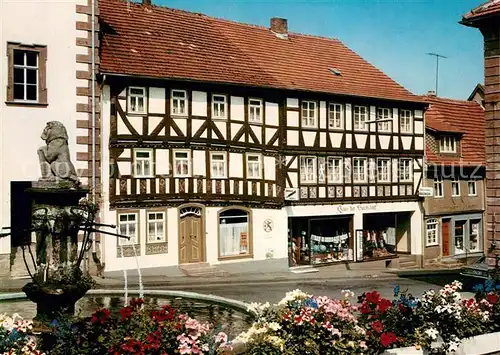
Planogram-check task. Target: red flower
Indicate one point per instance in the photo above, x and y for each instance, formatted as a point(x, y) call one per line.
point(136, 302)
point(492, 298)
point(377, 326)
point(384, 305)
point(365, 308)
point(402, 308)
point(126, 312)
point(387, 339)
point(373, 297)
point(100, 316)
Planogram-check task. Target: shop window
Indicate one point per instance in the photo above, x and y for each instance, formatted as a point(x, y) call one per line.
point(431, 232)
point(308, 169)
point(377, 240)
point(405, 170)
point(472, 188)
point(156, 227)
point(128, 225)
point(455, 188)
point(475, 236)
point(359, 170)
point(334, 168)
point(383, 170)
point(234, 238)
point(136, 100)
point(459, 234)
point(438, 187)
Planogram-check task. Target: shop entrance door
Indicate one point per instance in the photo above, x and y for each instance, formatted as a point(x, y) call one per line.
point(446, 237)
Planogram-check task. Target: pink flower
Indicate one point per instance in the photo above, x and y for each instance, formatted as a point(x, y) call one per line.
point(221, 338)
point(184, 349)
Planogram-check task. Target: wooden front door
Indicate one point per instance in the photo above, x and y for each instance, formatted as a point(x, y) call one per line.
point(446, 237)
point(190, 239)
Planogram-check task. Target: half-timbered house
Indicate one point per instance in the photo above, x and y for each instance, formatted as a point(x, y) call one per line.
point(251, 147)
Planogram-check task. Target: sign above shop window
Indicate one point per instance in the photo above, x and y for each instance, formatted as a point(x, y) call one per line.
point(354, 208)
point(292, 194)
point(426, 192)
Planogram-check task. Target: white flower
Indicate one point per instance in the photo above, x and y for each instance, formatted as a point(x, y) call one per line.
point(274, 326)
point(432, 333)
point(347, 293)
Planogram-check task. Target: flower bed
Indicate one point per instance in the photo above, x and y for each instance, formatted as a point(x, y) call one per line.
point(437, 322)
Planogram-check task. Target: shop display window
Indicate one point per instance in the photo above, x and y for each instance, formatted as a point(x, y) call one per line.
point(459, 237)
point(378, 238)
point(474, 236)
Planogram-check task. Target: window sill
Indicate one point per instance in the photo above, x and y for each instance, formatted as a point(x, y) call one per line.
point(257, 123)
point(182, 176)
point(308, 182)
point(254, 178)
point(145, 177)
point(179, 115)
point(336, 129)
point(235, 257)
point(432, 245)
point(136, 113)
point(218, 178)
point(219, 118)
point(310, 127)
point(26, 103)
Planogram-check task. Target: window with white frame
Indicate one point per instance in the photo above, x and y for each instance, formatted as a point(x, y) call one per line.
point(156, 227)
point(455, 187)
point(431, 234)
point(384, 114)
point(405, 170)
point(136, 100)
point(335, 116)
point(360, 116)
point(438, 187)
point(182, 163)
point(405, 121)
point(218, 161)
point(334, 170)
point(448, 144)
point(234, 233)
point(359, 167)
point(383, 170)
point(308, 169)
point(219, 106)
point(128, 225)
point(254, 111)
point(254, 166)
point(143, 163)
point(308, 114)
point(472, 188)
point(179, 102)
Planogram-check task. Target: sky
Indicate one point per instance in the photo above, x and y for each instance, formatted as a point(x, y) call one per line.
point(393, 35)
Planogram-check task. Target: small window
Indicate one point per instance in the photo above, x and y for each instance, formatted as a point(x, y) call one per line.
point(219, 165)
point(405, 171)
point(182, 161)
point(431, 232)
point(179, 102)
point(254, 111)
point(455, 188)
point(383, 170)
point(254, 166)
point(448, 144)
point(334, 169)
point(385, 115)
point(308, 169)
point(143, 163)
point(472, 188)
point(219, 107)
point(156, 227)
point(136, 100)
point(438, 187)
point(360, 118)
point(335, 116)
point(359, 168)
point(308, 114)
point(405, 121)
point(234, 233)
point(128, 225)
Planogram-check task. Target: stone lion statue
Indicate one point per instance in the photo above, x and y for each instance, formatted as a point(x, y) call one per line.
point(55, 162)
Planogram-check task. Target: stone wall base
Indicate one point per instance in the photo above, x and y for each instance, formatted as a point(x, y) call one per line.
point(4, 265)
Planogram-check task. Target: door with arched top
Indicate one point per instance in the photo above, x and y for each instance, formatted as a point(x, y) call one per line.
point(191, 235)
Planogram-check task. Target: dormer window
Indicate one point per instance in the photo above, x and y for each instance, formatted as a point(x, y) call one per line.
point(448, 144)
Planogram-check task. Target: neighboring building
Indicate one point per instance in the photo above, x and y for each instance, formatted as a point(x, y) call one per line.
point(221, 137)
point(486, 18)
point(455, 157)
point(45, 71)
point(477, 95)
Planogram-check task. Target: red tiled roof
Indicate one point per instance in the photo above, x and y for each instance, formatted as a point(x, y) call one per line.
point(491, 7)
point(160, 42)
point(457, 116)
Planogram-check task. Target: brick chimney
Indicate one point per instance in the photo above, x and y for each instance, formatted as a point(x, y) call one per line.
point(146, 2)
point(490, 29)
point(280, 27)
point(431, 93)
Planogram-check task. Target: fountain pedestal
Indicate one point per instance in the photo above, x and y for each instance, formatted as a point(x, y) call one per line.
point(57, 216)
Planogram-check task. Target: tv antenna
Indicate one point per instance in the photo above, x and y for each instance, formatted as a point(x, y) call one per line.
point(437, 68)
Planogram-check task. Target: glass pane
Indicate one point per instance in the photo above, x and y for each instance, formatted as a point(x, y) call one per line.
point(123, 229)
point(181, 155)
point(18, 57)
point(31, 76)
point(123, 217)
point(136, 91)
point(140, 101)
point(152, 216)
point(31, 92)
point(151, 229)
point(131, 217)
point(18, 91)
point(147, 169)
point(18, 75)
point(31, 59)
point(179, 94)
point(160, 230)
point(217, 157)
point(142, 154)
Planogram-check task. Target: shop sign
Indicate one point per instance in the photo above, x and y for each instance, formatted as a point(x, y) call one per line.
point(268, 225)
point(354, 208)
point(243, 242)
point(292, 194)
point(426, 192)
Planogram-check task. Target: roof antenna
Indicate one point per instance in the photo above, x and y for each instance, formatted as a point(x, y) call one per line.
point(437, 68)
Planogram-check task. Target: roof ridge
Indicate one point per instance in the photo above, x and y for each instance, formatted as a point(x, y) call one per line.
point(440, 98)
